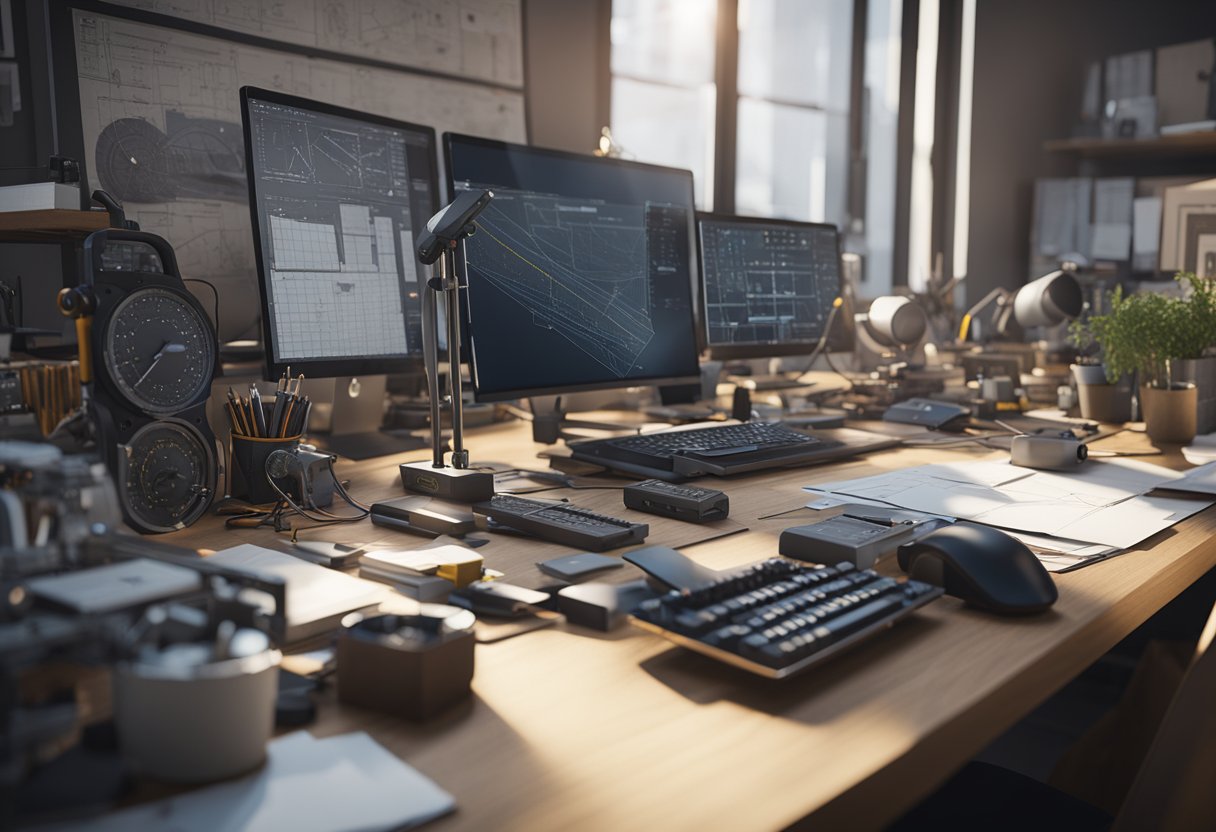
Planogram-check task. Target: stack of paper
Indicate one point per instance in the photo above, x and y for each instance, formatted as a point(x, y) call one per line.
point(348, 782)
point(1093, 512)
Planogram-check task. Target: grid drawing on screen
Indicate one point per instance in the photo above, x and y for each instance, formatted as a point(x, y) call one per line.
point(767, 284)
point(336, 201)
point(584, 286)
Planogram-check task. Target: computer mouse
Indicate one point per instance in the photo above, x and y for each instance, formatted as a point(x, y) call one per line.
point(981, 565)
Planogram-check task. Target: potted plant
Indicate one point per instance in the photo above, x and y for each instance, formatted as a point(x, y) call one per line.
point(1098, 398)
point(1151, 335)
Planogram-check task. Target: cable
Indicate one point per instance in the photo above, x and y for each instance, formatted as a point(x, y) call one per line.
point(823, 339)
point(214, 294)
point(828, 357)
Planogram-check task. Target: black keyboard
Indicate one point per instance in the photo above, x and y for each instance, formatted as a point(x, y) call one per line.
point(721, 449)
point(562, 523)
point(779, 617)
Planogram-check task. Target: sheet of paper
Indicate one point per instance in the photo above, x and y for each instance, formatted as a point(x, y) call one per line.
point(1201, 480)
point(347, 782)
point(1099, 504)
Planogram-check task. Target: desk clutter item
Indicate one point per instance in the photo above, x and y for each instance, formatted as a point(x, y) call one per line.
point(346, 783)
point(50, 390)
point(777, 618)
point(681, 502)
point(455, 564)
point(317, 597)
point(925, 412)
point(148, 353)
point(424, 515)
point(844, 539)
point(410, 666)
point(1048, 451)
point(562, 523)
point(198, 712)
point(602, 606)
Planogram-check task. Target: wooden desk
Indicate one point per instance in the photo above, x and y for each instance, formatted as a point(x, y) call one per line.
point(569, 729)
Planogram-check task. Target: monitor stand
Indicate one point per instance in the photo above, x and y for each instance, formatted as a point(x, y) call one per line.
point(549, 421)
point(358, 411)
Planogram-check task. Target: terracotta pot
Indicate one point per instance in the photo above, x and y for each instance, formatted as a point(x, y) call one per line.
point(1170, 415)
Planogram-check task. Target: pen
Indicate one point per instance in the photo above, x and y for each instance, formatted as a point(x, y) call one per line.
point(291, 404)
point(881, 521)
point(259, 415)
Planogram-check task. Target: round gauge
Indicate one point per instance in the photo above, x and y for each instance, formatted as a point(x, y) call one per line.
point(167, 476)
point(159, 350)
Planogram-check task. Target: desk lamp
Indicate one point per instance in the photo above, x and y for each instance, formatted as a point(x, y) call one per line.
point(893, 322)
point(1046, 301)
point(445, 230)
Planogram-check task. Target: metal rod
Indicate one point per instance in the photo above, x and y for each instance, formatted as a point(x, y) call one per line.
point(451, 285)
point(430, 352)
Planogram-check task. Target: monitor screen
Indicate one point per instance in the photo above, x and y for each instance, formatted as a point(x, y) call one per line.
point(767, 286)
point(337, 199)
point(579, 275)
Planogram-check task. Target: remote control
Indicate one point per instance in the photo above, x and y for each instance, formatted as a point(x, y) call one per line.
point(562, 523)
point(682, 502)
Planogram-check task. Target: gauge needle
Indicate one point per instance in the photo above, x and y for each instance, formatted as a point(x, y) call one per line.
point(167, 347)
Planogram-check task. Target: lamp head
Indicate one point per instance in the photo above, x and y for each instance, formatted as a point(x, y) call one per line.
point(1049, 300)
point(896, 321)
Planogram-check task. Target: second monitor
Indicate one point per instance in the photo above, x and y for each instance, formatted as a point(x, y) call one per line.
point(767, 286)
point(579, 275)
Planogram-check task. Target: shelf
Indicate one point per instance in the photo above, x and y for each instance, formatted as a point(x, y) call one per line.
point(50, 224)
point(1183, 144)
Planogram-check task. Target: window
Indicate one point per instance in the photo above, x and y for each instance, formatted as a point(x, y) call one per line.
point(766, 106)
point(663, 91)
point(792, 150)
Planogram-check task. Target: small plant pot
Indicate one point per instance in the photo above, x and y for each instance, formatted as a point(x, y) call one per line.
point(1170, 415)
point(1100, 400)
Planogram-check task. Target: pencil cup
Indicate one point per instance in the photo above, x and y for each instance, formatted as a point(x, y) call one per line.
point(248, 480)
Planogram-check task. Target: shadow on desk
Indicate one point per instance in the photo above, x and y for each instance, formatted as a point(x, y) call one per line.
point(703, 681)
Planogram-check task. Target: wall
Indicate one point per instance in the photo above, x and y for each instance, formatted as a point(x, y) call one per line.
point(1030, 59)
point(565, 64)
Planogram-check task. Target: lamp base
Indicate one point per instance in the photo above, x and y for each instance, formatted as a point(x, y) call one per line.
point(460, 484)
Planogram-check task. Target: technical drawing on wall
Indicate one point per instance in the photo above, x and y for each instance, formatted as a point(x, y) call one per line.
point(474, 39)
point(160, 112)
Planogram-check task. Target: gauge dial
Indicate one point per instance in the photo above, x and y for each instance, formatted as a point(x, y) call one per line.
point(167, 476)
point(159, 350)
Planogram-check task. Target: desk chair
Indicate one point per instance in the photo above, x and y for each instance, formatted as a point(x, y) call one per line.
point(1173, 790)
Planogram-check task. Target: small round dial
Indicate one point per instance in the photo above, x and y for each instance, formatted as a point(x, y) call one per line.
point(167, 477)
point(159, 350)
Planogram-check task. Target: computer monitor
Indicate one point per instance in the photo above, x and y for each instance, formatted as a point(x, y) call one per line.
point(337, 199)
point(580, 273)
point(767, 286)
